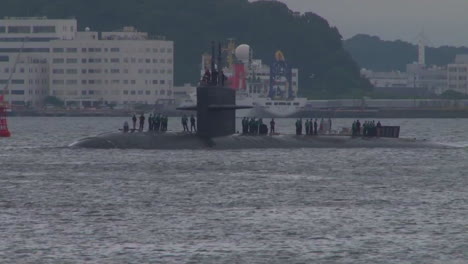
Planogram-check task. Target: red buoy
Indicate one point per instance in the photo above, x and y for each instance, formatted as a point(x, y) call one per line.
point(4, 132)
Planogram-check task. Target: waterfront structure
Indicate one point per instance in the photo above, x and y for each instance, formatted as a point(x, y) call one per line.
point(386, 79)
point(458, 74)
point(84, 69)
point(417, 76)
point(433, 79)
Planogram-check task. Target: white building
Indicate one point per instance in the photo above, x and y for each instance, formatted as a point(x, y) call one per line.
point(434, 78)
point(386, 79)
point(83, 68)
point(24, 55)
point(458, 74)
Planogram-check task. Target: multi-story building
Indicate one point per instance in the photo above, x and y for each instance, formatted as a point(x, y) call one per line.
point(386, 79)
point(120, 67)
point(83, 68)
point(434, 78)
point(24, 54)
point(458, 74)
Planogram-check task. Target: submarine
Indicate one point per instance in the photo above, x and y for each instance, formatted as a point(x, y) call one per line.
point(216, 129)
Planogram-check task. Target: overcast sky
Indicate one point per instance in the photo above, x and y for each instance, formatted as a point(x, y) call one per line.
point(445, 22)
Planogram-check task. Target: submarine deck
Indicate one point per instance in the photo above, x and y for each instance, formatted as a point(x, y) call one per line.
point(174, 141)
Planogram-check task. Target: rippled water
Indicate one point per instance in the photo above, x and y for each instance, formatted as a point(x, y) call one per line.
point(61, 205)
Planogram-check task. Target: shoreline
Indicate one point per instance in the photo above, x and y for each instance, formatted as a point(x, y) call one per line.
point(382, 113)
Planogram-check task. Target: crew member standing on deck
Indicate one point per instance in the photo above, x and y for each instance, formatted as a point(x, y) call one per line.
point(307, 128)
point(185, 123)
point(150, 122)
point(192, 124)
point(272, 126)
point(134, 119)
point(142, 122)
point(315, 126)
point(358, 128)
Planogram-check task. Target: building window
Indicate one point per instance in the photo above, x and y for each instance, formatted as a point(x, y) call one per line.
point(72, 50)
point(72, 82)
point(115, 82)
point(125, 70)
point(83, 92)
point(125, 81)
point(162, 82)
point(91, 81)
point(148, 92)
point(58, 60)
point(140, 92)
point(83, 50)
point(115, 49)
point(2, 29)
point(19, 29)
point(126, 60)
point(162, 50)
point(91, 92)
point(17, 92)
point(72, 71)
point(4, 58)
point(57, 50)
point(72, 60)
point(84, 82)
point(115, 71)
point(133, 82)
point(43, 29)
point(58, 82)
point(148, 60)
point(155, 81)
point(115, 60)
point(58, 71)
point(125, 92)
point(132, 92)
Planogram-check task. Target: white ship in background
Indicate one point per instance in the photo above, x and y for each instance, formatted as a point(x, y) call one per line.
point(271, 90)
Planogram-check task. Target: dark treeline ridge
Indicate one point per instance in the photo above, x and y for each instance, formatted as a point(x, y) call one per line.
point(372, 53)
point(308, 41)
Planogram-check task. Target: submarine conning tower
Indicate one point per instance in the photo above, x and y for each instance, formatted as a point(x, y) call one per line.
point(216, 104)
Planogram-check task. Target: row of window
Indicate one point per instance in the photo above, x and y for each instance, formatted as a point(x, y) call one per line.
point(112, 60)
point(29, 29)
point(62, 82)
point(98, 71)
point(75, 50)
point(454, 69)
point(105, 92)
point(22, 70)
point(23, 92)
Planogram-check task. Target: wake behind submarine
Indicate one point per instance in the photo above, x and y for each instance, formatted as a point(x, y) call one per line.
point(216, 123)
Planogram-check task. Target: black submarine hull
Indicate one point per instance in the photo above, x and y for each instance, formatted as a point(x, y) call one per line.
point(175, 141)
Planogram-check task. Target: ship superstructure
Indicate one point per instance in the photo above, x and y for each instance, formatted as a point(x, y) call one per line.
point(271, 89)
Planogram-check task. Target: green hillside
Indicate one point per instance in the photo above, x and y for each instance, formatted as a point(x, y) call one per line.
point(308, 42)
point(371, 52)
